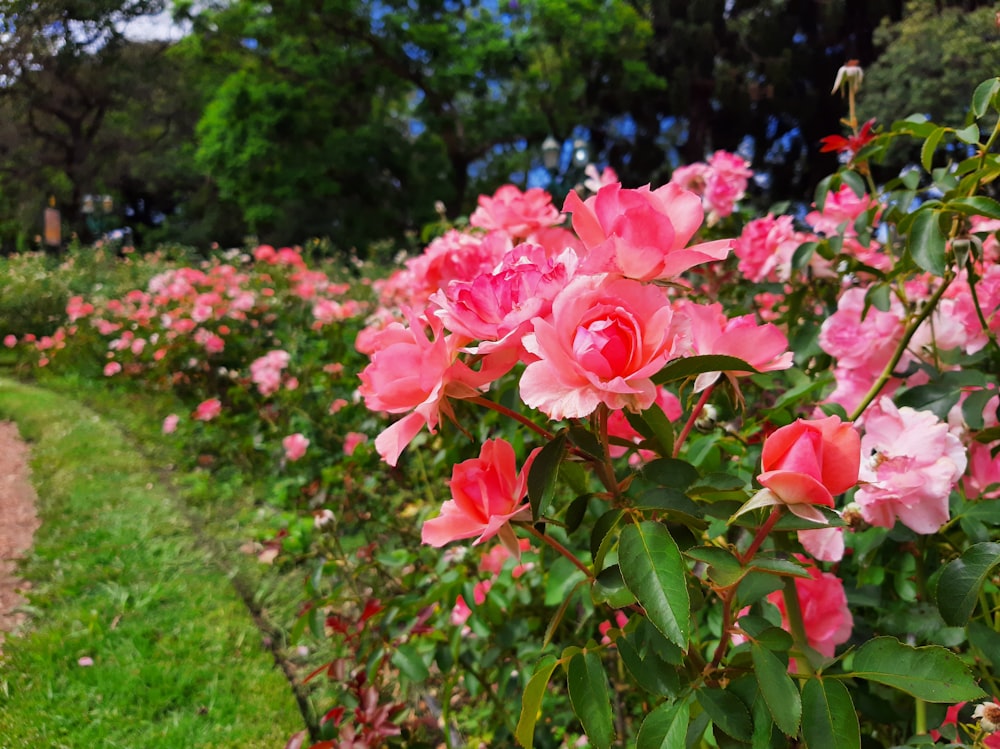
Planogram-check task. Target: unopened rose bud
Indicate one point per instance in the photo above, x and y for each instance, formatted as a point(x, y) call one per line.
point(849, 76)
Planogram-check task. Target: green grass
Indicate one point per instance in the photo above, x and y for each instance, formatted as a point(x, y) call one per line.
point(118, 576)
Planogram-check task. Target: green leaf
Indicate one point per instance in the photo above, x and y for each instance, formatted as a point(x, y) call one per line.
point(727, 711)
point(723, 568)
point(601, 535)
point(969, 134)
point(665, 727)
point(654, 571)
point(695, 365)
point(531, 702)
point(647, 667)
point(977, 205)
point(855, 182)
point(778, 689)
point(987, 640)
point(983, 96)
point(829, 720)
point(543, 473)
point(960, 580)
point(609, 588)
point(926, 243)
point(929, 673)
point(410, 664)
point(670, 472)
point(663, 430)
point(803, 254)
point(588, 692)
point(927, 150)
point(879, 296)
point(973, 407)
point(586, 441)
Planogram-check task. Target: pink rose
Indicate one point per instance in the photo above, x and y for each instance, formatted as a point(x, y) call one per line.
point(709, 331)
point(112, 368)
point(487, 492)
point(414, 373)
point(983, 480)
point(727, 181)
point(514, 212)
point(208, 409)
point(10, 340)
point(352, 440)
point(295, 446)
point(806, 463)
point(642, 233)
point(603, 344)
point(170, 423)
point(915, 463)
point(827, 619)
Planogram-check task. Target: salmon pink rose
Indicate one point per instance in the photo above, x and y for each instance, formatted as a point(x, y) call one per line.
point(487, 493)
point(806, 463)
point(603, 343)
point(295, 446)
point(827, 619)
point(642, 233)
point(515, 212)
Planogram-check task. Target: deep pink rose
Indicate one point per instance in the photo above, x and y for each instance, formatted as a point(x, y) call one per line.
point(642, 233)
point(487, 492)
point(208, 409)
point(295, 446)
point(827, 619)
point(806, 463)
point(915, 463)
point(604, 342)
point(983, 480)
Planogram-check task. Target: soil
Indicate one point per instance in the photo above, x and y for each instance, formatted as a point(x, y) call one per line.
point(18, 523)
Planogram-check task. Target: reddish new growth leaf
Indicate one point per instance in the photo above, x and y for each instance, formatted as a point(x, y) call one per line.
point(852, 143)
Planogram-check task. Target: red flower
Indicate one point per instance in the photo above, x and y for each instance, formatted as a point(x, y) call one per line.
point(852, 143)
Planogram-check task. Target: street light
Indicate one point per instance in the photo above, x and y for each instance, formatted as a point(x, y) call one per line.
point(551, 150)
point(581, 153)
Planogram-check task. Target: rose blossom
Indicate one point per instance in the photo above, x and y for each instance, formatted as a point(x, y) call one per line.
point(208, 409)
point(827, 619)
point(514, 212)
point(914, 464)
point(295, 446)
point(170, 423)
point(604, 342)
point(352, 440)
point(487, 492)
point(984, 473)
point(642, 233)
point(806, 463)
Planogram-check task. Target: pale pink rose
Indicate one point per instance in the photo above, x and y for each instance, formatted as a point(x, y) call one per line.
point(766, 247)
point(492, 562)
point(806, 463)
point(208, 409)
point(352, 440)
point(295, 446)
point(827, 619)
point(983, 479)
point(692, 177)
point(487, 493)
point(112, 368)
point(596, 180)
point(77, 308)
point(170, 423)
point(642, 233)
point(516, 213)
point(915, 463)
point(85, 662)
point(603, 344)
point(265, 371)
point(337, 405)
point(10, 340)
point(824, 544)
point(414, 373)
point(460, 613)
point(706, 331)
point(292, 383)
point(840, 210)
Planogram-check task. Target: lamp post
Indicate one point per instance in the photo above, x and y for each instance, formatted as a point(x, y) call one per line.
point(563, 179)
point(96, 209)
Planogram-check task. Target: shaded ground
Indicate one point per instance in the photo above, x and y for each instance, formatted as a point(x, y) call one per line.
point(18, 522)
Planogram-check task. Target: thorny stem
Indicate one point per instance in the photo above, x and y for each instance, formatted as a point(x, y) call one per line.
point(605, 469)
point(726, 597)
point(762, 533)
point(695, 413)
point(547, 539)
point(908, 334)
point(481, 401)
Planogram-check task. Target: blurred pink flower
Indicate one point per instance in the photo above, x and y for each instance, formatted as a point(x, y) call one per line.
point(983, 479)
point(10, 340)
point(208, 409)
point(295, 446)
point(352, 440)
point(824, 544)
point(112, 368)
point(604, 342)
point(642, 233)
point(914, 462)
point(170, 423)
point(487, 492)
point(85, 661)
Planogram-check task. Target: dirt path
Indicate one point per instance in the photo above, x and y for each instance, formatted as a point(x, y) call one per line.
point(18, 522)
